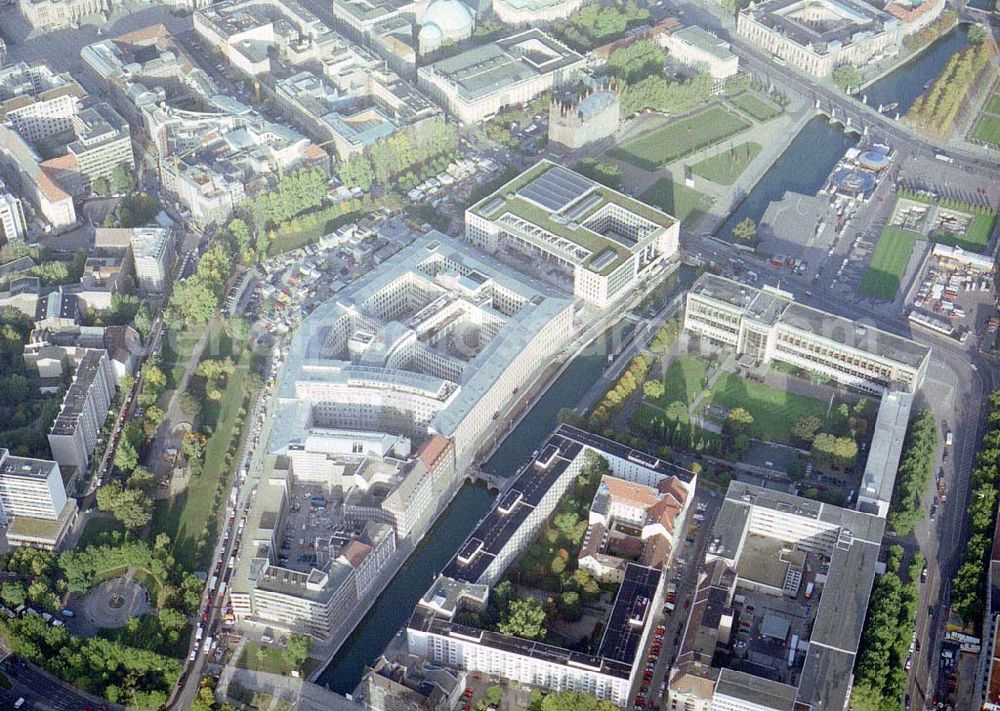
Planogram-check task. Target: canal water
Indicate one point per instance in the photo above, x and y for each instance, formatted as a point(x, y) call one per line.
point(802, 168)
point(472, 502)
point(905, 84)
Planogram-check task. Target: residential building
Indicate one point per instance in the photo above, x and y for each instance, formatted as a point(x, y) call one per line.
point(816, 36)
point(914, 14)
point(507, 530)
point(49, 121)
point(475, 84)
point(767, 324)
point(33, 502)
point(574, 230)
point(12, 224)
point(436, 340)
point(412, 688)
point(629, 520)
point(153, 256)
point(53, 352)
point(582, 115)
point(250, 32)
point(700, 48)
point(84, 408)
point(213, 151)
point(3, 52)
point(779, 608)
point(359, 19)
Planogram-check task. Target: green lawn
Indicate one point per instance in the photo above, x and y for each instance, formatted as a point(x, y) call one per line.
point(681, 138)
point(177, 348)
point(97, 531)
point(188, 517)
point(727, 166)
point(677, 199)
point(976, 238)
point(270, 660)
point(683, 380)
point(987, 128)
point(774, 411)
point(755, 107)
point(889, 260)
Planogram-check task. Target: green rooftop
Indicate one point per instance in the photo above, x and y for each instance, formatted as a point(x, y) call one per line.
point(513, 202)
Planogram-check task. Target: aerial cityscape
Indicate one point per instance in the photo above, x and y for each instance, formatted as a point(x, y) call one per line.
point(515, 355)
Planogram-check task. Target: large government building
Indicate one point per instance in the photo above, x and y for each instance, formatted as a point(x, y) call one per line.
point(767, 324)
point(590, 236)
point(818, 35)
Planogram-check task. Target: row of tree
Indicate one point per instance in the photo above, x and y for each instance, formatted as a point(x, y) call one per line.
point(193, 301)
point(399, 153)
point(626, 386)
point(294, 194)
point(595, 24)
point(880, 673)
point(968, 585)
point(914, 473)
point(936, 109)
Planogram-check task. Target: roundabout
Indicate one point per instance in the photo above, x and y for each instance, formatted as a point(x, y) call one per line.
point(113, 602)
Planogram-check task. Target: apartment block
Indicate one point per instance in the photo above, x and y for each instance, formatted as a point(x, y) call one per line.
point(84, 409)
point(574, 230)
point(767, 324)
point(153, 255)
point(33, 502)
point(434, 634)
point(12, 223)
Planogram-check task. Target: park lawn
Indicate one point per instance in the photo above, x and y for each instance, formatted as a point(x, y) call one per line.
point(677, 199)
point(888, 262)
point(683, 380)
point(774, 410)
point(755, 107)
point(993, 105)
point(95, 530)
point(272, 659)
point(987, 128)
point(681, 138)
point(727, 166)
point(648, 418)
point(976, 239)
point(177, 347)
point(188, 517)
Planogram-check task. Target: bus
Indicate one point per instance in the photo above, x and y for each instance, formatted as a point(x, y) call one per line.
point(943, 157)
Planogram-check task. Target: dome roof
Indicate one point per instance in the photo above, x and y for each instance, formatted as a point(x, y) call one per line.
point(452, 18)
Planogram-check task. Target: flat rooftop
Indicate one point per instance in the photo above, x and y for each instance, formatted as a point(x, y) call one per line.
point(497, 66)
point(83, 379)
point(559, 210)
point(773, 307)
point(886, 446)
point(822, 24)
point(25, 467)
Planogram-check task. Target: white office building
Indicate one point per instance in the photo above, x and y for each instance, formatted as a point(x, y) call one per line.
point(579, 232)
point(33, 502)
point(12, 224)
point(767, 324)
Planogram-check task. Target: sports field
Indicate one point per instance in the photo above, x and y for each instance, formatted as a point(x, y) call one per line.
point(727, 166)
point(681, 138)
point(891, 255)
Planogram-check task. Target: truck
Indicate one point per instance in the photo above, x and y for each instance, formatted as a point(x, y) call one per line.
point(207, 647)
point(942, 489)
point(949, 437)
point(809, 590)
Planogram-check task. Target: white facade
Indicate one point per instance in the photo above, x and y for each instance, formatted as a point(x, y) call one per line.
point(476, 84)
point(153, 255)
point(768, 325)
point(602, 240)
point(30, 487)
point(12, 224)
point(701, 48)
